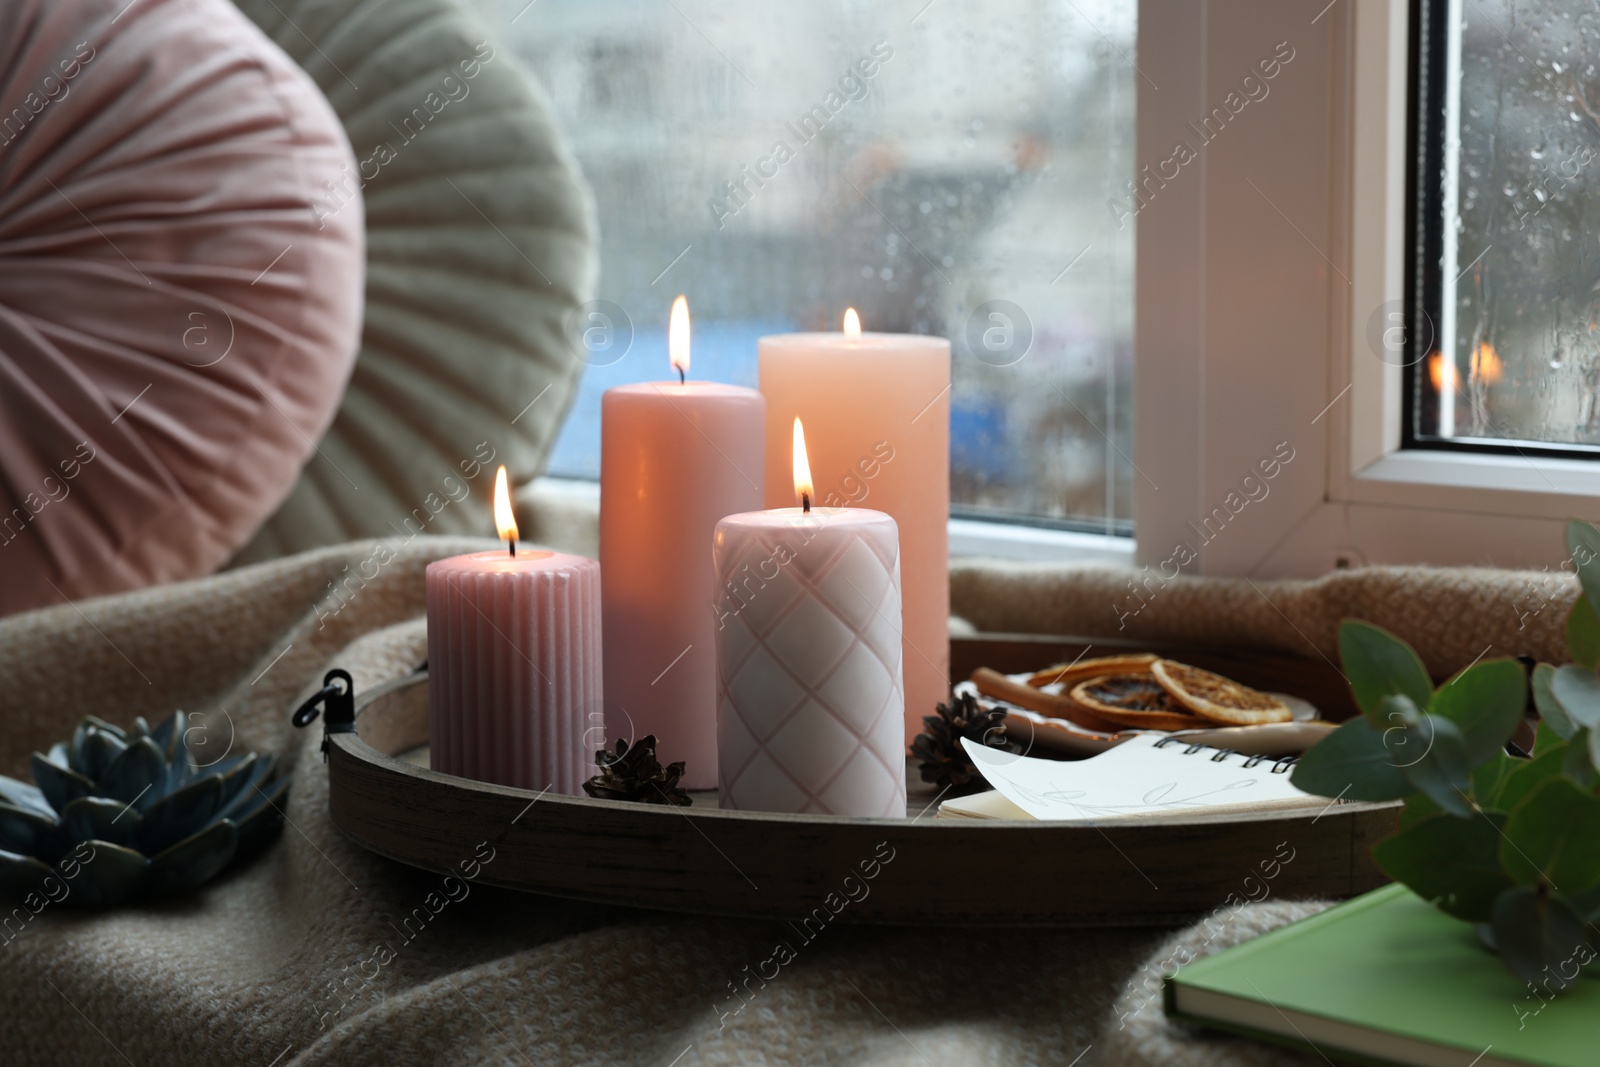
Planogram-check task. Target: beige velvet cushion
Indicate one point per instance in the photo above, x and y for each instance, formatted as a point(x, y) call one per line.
point(480, 240)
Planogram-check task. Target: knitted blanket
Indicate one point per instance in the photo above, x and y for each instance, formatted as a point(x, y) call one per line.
point(311, 953)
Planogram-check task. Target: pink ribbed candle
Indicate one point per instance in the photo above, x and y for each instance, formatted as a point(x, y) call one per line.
point(810, 697)
point(514, 667)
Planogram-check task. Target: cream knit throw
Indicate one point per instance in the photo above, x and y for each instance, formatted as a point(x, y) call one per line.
point(1451, 616)
point(304, 956)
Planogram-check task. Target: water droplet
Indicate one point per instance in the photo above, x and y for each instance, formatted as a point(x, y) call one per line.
point(1509, 190)
point(1535, 154)
point(1558, 357)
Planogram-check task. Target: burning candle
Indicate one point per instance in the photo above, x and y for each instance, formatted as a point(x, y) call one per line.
point(674, 458)
point(513, 662)
point(878, 407)
point(810, 703)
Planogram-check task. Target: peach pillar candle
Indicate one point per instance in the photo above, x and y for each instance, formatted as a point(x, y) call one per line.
point(877, 408)
point(809, 699)
point(674, 458)
point(513, 663)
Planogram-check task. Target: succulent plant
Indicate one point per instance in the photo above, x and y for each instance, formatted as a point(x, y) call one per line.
point(137, 811)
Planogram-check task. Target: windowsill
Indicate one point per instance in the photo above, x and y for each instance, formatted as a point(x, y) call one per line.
point(1532, 486)
point(565, 514)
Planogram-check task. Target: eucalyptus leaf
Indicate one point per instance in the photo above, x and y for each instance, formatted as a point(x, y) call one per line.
point(1540, 937)
point(1583, 633)
point(1544, 737)
point(1577, 764)
point(1578, 691)
point(1452, 862)
point(1441, 772)
point(1353, 762)
point(1490, 777)
point(1551, 713)
point(1486, 702)
point(1418, 808)
point(1551, 836)
point(1546, 764)
point(1583, 543)
point(1379, 664)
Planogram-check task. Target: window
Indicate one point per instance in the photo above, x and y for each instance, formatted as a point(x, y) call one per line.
point(966, 187)
point(1504, 352)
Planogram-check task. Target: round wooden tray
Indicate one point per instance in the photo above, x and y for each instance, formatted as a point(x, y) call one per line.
point(767, 865)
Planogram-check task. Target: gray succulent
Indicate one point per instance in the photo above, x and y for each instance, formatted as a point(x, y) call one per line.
point(140, 812)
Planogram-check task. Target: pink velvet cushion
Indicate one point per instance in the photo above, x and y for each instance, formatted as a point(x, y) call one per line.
point(180, 293)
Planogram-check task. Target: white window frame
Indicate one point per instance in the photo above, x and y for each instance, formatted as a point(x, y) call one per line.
point(1254, 305)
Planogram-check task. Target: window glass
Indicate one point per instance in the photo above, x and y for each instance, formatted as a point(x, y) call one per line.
point(1516, 355)
point(955, 168)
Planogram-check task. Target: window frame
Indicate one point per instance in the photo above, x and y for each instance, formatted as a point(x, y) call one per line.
point(1364, 498)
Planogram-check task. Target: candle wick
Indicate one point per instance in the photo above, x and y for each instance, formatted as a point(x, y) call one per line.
point(805, 503)
point(513, 543)
point(682, 380)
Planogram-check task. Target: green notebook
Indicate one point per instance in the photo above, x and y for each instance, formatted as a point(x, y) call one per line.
point(1388, 979)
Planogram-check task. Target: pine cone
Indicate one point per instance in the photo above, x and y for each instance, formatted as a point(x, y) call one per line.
point(944, 761)
point(634, 773)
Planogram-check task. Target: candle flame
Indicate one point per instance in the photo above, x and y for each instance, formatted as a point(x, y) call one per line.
point(802, 466)
point(1486, 366)
point(678, 337)
point(504, 521)
point(852, 323)
point(1442, 375)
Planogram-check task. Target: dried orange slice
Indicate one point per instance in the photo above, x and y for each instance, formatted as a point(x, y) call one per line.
point(1070, 674)
point(1134, 699)
point(1214, 697)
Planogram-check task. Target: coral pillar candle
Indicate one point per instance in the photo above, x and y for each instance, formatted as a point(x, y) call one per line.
point(810, 705)
point(878, 408)
point(674, 458)
point(513, 662)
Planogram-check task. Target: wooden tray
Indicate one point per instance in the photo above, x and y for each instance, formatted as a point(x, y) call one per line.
point(766, 865)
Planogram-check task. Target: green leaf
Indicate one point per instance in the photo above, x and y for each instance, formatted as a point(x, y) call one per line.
point(1578, 764)
point(1540, 937)
point(1352, 762)
point(1583, 633)
point(1441, 772)
point(1486, 701)
point(1577, 689)
point(1551, 713)
point(1551, 836)
point(1544, 737)
point(1586, 903)
point(1583, 542)
point(1379, 664)
point(1490, 778)
point(1531, 774)
point(1454, 863)
point(1418, 807)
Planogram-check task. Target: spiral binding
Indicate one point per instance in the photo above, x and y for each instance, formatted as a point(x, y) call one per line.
point(1281, 766)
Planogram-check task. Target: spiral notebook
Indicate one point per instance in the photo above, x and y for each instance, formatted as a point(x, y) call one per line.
point(1149, 774)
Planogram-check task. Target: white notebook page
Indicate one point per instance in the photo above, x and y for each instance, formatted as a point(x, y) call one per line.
point(1137, 778)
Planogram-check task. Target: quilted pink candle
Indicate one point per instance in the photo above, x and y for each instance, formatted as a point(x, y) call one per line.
point(878, 409)
point(809, 692)
point(674, 458)
point(514, 667)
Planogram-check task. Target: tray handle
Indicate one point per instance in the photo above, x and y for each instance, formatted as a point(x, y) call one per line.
point(337, 700)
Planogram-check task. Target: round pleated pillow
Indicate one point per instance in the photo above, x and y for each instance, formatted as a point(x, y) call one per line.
point(177, 318)
point(480, 245)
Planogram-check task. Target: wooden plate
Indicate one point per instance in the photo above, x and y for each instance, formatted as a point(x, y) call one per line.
point(766, 865)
